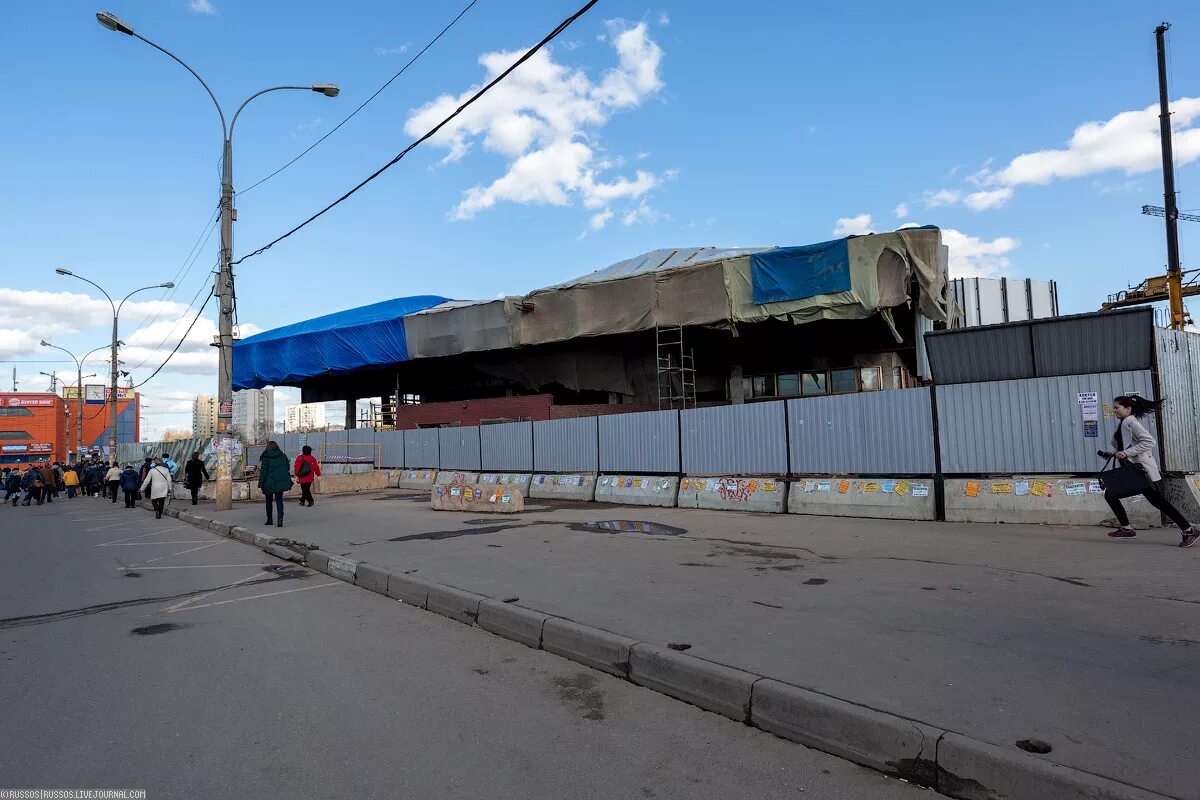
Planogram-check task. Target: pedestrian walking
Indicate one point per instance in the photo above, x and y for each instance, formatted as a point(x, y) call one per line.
point(112, 480)
point(31, 483)
point(306, 470)
point(1135, 446)
point(12, 487)
point(195, 474)
point(70, 482)
point(130, 481)
point(158, 484)
point(273, 479)
point(49, 481)
point(147, 465)
point(96, 480)
point(169, 464)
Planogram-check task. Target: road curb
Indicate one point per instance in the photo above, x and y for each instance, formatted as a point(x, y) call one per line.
point(948, 762)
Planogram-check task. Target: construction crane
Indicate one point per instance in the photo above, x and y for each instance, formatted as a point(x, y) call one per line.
point(1170, 287)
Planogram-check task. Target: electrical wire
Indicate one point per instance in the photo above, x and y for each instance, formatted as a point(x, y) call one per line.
point(181, 341)
point(163, 343)
point(403, 69)
point(562, 26)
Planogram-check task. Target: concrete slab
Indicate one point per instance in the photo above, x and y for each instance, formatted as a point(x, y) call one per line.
point(348, 484)
point(702, 683)
point(413, 591)
point(602, 650)
point(340, 567)
point(318, 560)
point(514, 480)
point(875, 498)
point(1040, 499)
point(413, 479)
point(733, 494)
point(519, 624)
point(345, 469)
point(863, 735)
point(372, 577)
point(563, 487)
point(477, 498)
point(1184, 494)
point(456, 604)
point(638, 490)
point(456, 476)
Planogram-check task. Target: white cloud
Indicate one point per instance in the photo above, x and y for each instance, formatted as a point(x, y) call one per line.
point(942, 197)
point(598, 221)
point(202, 6)
point(26, 309)
point(993, 198)
point(641, 155)
point(17, 342)
point(306, 127)
point(1128, 141)
point(392, 51)
point(971, 256)
point(543, 118)
point(643, 213)
point(663, 19)
point(901, 210)
point(852, 226)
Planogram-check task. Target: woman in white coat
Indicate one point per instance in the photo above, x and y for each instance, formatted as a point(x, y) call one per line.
point(158, 481)
point(1134, 444)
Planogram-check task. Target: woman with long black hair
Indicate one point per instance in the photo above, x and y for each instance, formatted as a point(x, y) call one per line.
point(1134, 444)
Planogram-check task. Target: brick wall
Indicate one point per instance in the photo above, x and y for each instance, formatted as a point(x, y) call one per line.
point(598, 409)
point(470, 412)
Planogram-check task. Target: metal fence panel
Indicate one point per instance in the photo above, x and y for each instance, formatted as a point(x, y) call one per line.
point(747, 439)
point(1093, 343)
point(965, 355)
point(1178, 355)
point(1029, 426)
point(872, 433)
point(421, 448)
point(565, 445)
point(391, 449)
point(459, 448)
point(506, 447)
point(647, 441)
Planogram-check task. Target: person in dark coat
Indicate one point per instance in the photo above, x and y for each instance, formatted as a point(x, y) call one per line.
point(147, 465)
point(195, 474)
point(130, 481)
point(274, 479)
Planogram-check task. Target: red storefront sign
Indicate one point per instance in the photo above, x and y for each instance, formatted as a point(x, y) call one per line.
point(30, 401)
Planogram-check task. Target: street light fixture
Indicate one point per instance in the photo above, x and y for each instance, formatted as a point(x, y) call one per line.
point(79, 376)
point(223, 282)
point(116, 309)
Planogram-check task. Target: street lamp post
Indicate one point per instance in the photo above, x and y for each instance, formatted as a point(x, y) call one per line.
point(223, 287)
point(79, 392)
point(116, 309)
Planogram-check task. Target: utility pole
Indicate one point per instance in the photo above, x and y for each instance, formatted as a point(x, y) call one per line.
point(1174, 271)
point(53, 381)
point(14, 379)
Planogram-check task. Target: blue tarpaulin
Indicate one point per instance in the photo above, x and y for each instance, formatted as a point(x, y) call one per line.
point(347, 340)
point(794, 273)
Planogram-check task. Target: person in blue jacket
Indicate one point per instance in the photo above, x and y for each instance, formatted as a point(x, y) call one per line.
point(131, 483)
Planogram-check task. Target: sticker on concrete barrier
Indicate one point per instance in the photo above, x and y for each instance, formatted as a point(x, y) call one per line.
point(1094, 487)
point(441, 490)
point(1039, 489)
point(871, 487)
point(683, 484)
point(1021, 488)
point(971, 489)
point(768, 486)
point(1002, 487)
point(889, 486)
point(809, 486)
point(506, 498)
point(823, 486)
point(902, 488)
point(541, 479)
point(478, 493)
point(844, 487)
point(920, 490)
point(1075, 488)
point(454, 491)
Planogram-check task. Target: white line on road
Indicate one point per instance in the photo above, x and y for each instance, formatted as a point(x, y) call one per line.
point(181, 552)
point(204, 566)
point(184, 603)
point(143, 535)
point(258, 596)
point(139, 544)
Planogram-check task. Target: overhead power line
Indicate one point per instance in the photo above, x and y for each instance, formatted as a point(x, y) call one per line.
point(181, 341)
point(562, 26)
point(388, 83)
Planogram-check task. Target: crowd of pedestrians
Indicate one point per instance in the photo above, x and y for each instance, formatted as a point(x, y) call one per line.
point(38, 484)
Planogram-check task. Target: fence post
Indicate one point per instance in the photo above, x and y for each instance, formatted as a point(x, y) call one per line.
point(939, 480)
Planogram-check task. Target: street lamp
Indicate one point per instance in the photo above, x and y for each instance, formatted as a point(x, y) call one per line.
point(223, 283)
point(79, 376)
point(116, 309)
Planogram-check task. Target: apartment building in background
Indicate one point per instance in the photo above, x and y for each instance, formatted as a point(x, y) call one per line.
point(305, 417)
point(204, 416)
point(254, 413)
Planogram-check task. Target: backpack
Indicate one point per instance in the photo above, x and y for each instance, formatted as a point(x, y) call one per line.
point(305, 469)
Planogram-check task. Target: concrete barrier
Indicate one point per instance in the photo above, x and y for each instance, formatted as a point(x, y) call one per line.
point(208, 491)
point(602, 650)
point(638, 490)
point(349, 484)
point(456, 476)
point(733, 494)
point(862, 735)
point(346, 469)
point(512, 622)
point(477, 498)
point(372, 578)
point(878, 498)
point(454, 603)
point(702, 683)
point(413, 591)
point(1184, 494)
point(412, 478)
point(507, 480)
point(563, 487)
point(1040, 499)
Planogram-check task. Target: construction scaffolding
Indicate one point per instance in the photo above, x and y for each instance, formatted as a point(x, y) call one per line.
point(676, 368)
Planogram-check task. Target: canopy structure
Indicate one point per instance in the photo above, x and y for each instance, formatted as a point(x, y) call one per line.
point(850, 278)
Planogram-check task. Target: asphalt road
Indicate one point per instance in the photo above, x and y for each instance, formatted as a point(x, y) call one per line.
point(145, 654)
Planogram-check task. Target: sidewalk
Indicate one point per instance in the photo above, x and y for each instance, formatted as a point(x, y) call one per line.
point(1000, 632)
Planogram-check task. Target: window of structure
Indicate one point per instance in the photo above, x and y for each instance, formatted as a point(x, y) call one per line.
point(843, 381)
point(871, 379)
point(787, 384)
point(814, 383)
point(15, 435)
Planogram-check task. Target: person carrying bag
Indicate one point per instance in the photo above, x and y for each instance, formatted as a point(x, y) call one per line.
point(1138, 472)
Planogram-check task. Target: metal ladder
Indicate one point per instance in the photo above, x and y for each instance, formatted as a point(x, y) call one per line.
point(676, 367)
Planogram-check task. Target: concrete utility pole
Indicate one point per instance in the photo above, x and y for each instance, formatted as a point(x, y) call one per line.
point(1174, 271)
point(116, 309)
point(223, 285)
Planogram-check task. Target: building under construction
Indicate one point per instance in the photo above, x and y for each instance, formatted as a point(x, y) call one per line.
point(672, 328)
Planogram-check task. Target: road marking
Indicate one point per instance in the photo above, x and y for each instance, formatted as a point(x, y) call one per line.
point(257, 596)
point(184, 603)
point(206, 566)
point(142, 536)
point(181, 552)
point(139, 544)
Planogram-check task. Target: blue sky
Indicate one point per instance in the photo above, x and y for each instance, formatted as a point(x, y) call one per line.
point(675, 123)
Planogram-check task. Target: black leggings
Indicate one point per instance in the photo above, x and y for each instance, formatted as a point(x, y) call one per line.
point(1153, 497)
point(306, 493)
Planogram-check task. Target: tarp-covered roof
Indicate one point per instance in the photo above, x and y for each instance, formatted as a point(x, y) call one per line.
point(850, 278)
